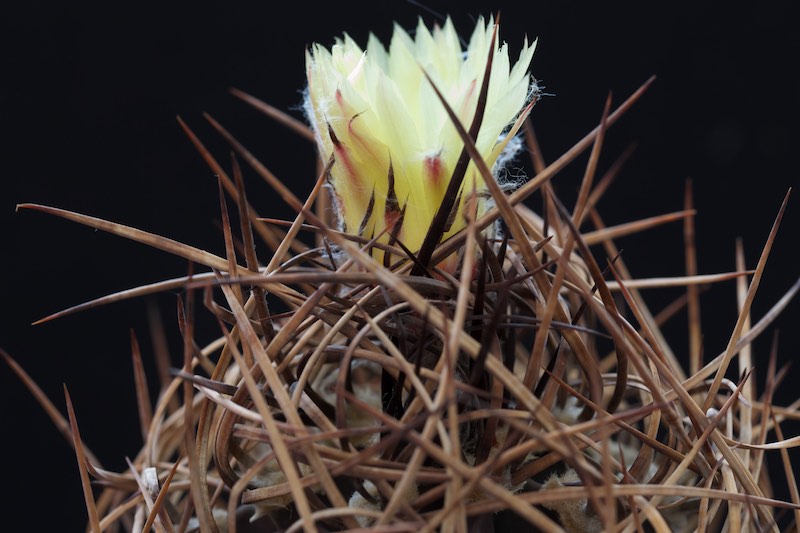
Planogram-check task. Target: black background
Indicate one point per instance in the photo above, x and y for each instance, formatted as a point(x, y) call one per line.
point(89, 99)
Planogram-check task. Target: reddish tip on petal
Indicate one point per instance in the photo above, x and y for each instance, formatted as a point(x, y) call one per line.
point(339, 98)
point(342, 156)
point(433, 168)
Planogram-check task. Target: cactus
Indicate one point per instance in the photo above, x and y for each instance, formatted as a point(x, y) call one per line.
point(443, 357)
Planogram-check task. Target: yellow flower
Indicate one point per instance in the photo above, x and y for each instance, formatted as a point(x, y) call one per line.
point(394, 146)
